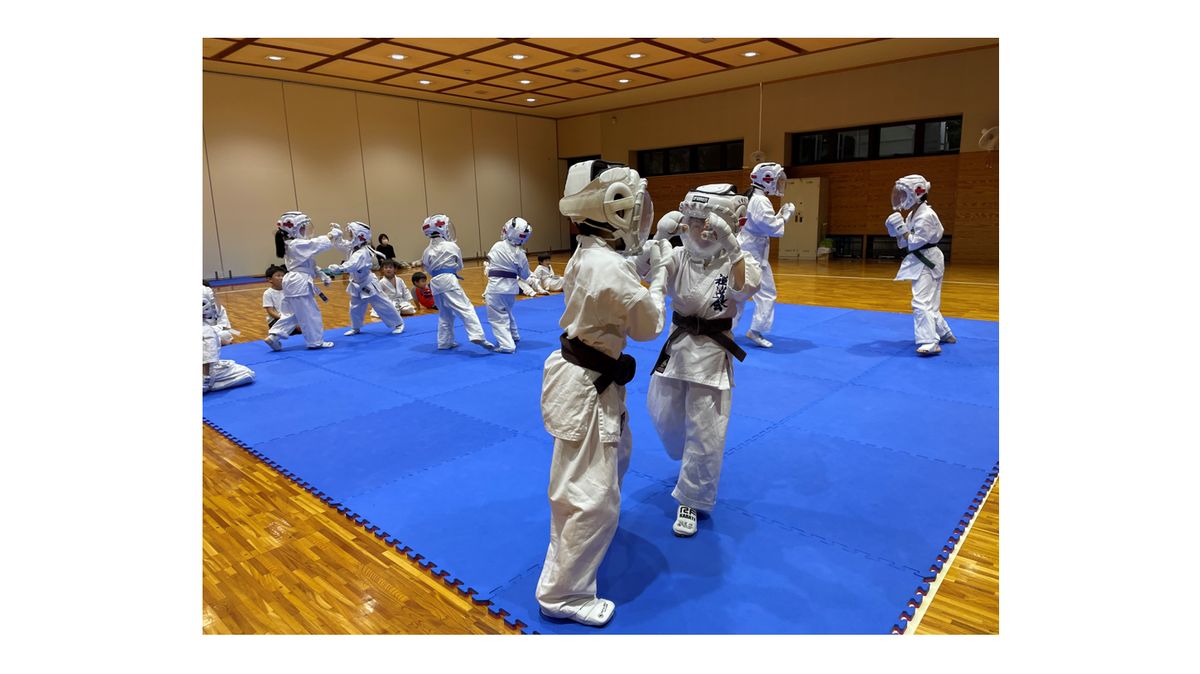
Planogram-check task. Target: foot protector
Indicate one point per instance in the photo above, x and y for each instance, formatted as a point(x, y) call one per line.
point(685, 522)
point(596, 612)
point(758, 339)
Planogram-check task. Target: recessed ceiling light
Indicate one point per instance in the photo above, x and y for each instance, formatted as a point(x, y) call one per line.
point(424, 82)
point(399, 57)
point(275, 58)
point(530, 99)
point(526, 81)
point(750, 54)
point(518, 57)
point(635, 55)
point(706, 40)
point(623, 81)
point(576, 69)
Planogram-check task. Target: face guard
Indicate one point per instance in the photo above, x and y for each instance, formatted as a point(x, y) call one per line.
point(770, 177)
point(908, 192)
point(516, 231)
point(360, 234)
point(294, 224)
point(439, 226)
point(612, 199)
point(211, 310)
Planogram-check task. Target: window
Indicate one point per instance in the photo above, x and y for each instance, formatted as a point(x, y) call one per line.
point(895, 141)
point(880, 141)
point(721, 156)
point(850, 246)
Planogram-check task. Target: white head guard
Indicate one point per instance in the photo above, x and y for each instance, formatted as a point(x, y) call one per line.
point(909, 191)
point(295, 225)
point(770, 177)
point(212, 311)
point(516, 231)
point(719, 200)
point(360, 234)
point(439, 225)
point(610, 202)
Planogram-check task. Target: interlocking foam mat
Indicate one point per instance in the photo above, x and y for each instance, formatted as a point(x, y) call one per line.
point(852, 467)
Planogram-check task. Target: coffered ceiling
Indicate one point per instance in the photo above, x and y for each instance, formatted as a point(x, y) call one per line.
point(557, 77)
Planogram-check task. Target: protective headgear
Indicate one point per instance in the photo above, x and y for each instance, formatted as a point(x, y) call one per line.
point(608, 201)
point(719, 201)
point(770, 177)
point(294, 225)
point(438, 225)
point(909, 191)
point(212, 311)
point(360, 234)
point(516, 231)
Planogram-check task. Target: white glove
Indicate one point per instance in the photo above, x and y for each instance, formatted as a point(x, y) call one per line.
point(335, 231)
point(668, 225)
point(724, 236)
point(326, 278)
point(893, 223)
point(902, 228)
point(787, 210)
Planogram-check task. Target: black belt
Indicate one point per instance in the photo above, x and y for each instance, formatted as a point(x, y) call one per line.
point(924, 260)
point(611, 369)
point(694, 325)
point(500, 273)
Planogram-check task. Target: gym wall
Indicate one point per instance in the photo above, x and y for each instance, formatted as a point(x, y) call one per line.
point(340, 155)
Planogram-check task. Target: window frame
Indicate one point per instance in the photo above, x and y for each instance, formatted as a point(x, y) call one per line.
point(730, 158)
point(830, 137)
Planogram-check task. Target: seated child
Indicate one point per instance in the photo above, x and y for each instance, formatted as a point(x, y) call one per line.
point(217, 374)
point(421, 290)
point(225, 330)
point(394, 290)
point(273, 296)
point(543, 279)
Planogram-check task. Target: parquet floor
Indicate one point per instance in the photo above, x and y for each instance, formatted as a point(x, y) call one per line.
point(278, 561)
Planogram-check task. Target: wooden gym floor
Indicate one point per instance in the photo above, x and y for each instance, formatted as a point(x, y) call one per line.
point(279, 561)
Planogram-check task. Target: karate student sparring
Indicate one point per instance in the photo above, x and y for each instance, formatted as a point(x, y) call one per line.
point(583, 383)
point(442, 260)
point(691, 387)
point(506, 264)
point(917, 229)
point(363, 287)
point(762, 225)
point(299, 256)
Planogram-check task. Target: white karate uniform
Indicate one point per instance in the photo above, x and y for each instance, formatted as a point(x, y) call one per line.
point(501, 293)
point(398, 294)
point(299, 305)
point(690, 399)
point(762, 225)
point(448, 293)
point(543, 278)
point(273, 299)
point(222, 374)
point(924, 227)
point(225, 328)
point(605, 303)
point(364, 290)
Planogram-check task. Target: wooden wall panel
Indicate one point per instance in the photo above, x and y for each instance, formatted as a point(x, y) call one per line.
point(537, 140)
point(250, 166)
point(395, 171)
point(449, 158)
point(211, 241)
point(977, 229)
point(497, 172)
point(327, 161)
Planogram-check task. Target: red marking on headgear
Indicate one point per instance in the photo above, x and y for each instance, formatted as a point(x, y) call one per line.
point(439, 223)
point(767, 178)
point(425, 226)
point(920, 190)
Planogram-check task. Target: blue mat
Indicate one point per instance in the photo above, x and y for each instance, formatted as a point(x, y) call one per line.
point(234, 281)
point(835, 508)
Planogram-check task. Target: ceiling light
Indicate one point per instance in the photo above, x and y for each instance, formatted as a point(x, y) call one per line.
point(530, 99)
point(526, 81)
point(275, 58)
point(518, 57)
point(635, 55)
point(706, 40)
point(399, 57)
point(424, 82)
point(750, 54)
point(623, 81)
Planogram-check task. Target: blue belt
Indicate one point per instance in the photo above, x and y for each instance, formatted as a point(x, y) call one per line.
point(501, 273)
point(445, 270)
